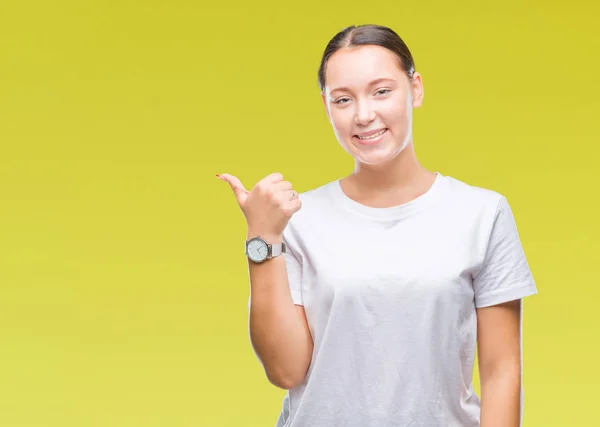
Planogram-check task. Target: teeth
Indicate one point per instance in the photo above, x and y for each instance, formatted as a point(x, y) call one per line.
point(372, 136)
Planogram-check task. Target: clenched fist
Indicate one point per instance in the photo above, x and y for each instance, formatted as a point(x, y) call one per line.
point(268, 207)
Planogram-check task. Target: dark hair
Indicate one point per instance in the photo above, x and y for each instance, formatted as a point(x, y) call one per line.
point(361, 35)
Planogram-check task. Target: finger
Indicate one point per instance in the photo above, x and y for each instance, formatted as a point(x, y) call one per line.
point(238, 188)
point(287, 196)
point(294, 205)
point(273, 178)
point(282, 186)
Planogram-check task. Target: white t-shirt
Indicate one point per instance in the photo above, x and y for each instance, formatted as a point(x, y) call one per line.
point(390, 297)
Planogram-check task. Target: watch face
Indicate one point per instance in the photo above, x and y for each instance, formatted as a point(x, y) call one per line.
point(257, 249)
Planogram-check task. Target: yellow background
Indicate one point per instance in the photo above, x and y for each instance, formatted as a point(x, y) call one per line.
point(123, 283)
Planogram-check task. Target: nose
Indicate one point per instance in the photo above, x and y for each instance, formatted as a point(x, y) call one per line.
point(364, 113)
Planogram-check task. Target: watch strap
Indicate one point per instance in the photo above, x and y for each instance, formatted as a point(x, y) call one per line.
point(276, 249)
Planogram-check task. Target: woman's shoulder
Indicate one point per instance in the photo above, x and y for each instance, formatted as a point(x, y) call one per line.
point(316, 203)
point(472, 194)
point(319, 195)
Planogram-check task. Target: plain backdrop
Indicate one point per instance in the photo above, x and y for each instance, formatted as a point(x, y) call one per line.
point(123, 281)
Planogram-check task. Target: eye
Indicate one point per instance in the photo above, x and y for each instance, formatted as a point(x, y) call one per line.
point(339, 101)
point(383, 91)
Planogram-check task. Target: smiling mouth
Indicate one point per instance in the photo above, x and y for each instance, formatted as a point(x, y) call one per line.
point(371, 140)
point(374, 136)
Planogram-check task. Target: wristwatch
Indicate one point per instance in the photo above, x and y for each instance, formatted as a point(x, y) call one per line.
point(258, 250)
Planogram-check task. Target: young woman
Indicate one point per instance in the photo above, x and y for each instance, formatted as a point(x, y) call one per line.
point(370, 293)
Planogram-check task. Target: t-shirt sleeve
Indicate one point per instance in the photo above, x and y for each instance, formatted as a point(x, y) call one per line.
point(505, 274)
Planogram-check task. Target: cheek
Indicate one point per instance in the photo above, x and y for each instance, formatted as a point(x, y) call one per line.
point(341, 120)
point(395, 114)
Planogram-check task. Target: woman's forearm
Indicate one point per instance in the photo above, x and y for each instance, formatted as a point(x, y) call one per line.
point(501, 399)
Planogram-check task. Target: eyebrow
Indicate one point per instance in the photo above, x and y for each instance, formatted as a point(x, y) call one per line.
point(374, 82)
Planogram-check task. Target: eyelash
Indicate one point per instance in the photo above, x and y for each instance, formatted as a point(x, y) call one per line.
point(341, 99)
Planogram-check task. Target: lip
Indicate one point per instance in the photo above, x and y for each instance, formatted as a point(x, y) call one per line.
point(371, 141)
point(370, 132)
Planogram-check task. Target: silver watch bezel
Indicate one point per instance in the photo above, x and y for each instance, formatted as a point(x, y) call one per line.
point(264, 242)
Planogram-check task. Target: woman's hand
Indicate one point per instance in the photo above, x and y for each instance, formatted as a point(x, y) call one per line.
point(268, 207)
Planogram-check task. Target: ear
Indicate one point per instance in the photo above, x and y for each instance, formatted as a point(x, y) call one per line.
point(417, 90)
point(324, 99)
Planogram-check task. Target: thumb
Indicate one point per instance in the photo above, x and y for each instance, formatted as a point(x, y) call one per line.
point(238, 188)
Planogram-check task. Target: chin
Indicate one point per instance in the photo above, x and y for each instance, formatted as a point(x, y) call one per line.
point(373, 157)
point(373, 160)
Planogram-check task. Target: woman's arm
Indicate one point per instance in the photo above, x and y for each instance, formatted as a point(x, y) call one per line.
point(279, 330)
point(499, 356)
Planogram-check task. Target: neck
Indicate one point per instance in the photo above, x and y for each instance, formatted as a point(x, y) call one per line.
point(403, 171)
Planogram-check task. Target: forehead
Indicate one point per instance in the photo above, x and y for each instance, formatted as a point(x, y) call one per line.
point(357, 66)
